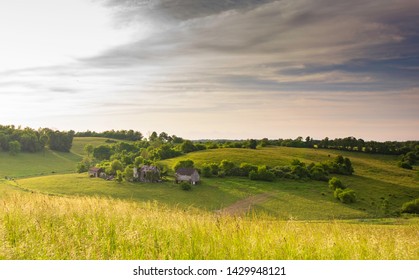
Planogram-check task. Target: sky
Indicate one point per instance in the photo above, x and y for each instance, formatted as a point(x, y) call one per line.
point(199, 69)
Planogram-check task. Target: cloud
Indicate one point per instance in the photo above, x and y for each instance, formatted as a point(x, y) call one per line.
point(268, 39)
point(274, 64)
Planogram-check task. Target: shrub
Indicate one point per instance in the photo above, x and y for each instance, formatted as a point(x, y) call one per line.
point(227, 167)
point(245, 169)
point(300, 171)
point(411, 207)
point(318, 173)
point(405, 165)
point(186, 186)
point(184, 164)
point(262, 174)
point(335, 183)
point(214, 168)
point(206, 170)
point(346, 196)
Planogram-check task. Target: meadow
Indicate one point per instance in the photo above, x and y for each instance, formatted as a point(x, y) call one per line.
point(36, 226)
point(50, 212)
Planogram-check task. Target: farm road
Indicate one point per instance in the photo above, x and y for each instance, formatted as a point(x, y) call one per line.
point(244, 205)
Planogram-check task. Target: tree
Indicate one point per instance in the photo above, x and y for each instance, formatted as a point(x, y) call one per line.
point(335, 183)
point(229, 168)
point(153, 136)
point(14, 147)
point(60, 141)
point(102, 152)
point(116, 166)
point(128, 173)
point(206, 170)
point(262, 174)
point(88, 149)
point(346, 196)
point(253, 144)
point(183, 164)
point(187, 147)
point(246, 168)
point(119, 176)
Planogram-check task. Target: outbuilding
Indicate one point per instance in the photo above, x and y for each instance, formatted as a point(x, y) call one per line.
point(189, 175)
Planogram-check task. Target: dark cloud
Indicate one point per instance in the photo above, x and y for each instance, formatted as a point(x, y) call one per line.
point(177, 10)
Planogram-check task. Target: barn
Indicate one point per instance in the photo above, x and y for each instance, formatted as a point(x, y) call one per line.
point(189, 175)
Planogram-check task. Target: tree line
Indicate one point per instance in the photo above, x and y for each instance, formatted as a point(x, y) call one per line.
point(16, 139)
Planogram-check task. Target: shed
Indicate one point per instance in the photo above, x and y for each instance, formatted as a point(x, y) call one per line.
point(190, 175)
point(95, 171)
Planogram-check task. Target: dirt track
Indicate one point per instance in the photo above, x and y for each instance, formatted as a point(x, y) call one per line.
point(244, 205)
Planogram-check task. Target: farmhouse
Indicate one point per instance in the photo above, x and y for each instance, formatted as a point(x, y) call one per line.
point(147, 174)
point(95, 172)
point(190, 175)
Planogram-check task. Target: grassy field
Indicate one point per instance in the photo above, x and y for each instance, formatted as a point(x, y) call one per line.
point(71, 216)
point(47, 162)
point(287, 199)
point(36, 226)
point(376, 179)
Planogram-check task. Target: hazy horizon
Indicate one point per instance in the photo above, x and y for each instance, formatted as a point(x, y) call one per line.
point(235, 69)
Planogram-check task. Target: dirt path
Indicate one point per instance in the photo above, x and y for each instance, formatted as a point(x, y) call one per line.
point(244, 205)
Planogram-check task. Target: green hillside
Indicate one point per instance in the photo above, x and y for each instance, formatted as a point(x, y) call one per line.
point(376, 179)
point(47, 162)
point(72, 216)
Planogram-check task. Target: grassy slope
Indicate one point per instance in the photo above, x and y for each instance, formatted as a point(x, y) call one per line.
point(45, 163)
point(44, 227)
point(377, 178)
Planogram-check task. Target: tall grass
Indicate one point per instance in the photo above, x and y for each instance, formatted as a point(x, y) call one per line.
point(36, 226)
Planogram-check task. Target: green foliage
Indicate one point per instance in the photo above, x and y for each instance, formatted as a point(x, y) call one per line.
point(84, 165)
point(14, 147)
point(253, 144)
point(206, 170)
point(340, 165)
point(409, 159)
point(183, 164)
point(411, 207)
point(88, 149)
point(185, 186)
point(346, 196)
point(335, 183)
point(115, 166)
point(102, 152)
point(165, 151)
point(187, 147)
point(119, 176)
point(60, 140)
point(405, 165)
point(318, 173)
point(246, 168)
point(262, 174)
point(128, 173)
point(229, 168)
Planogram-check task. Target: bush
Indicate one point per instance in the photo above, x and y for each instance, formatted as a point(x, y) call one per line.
point(318, 173)
point(346, 196)
point(411, 207)
point(186, 186)
point(228, 167)
point(184, 164)
point(335, 183)
point(262, 174)
point(245, 169)
point(206, 170)
point(405, 165)
point(300, 171)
